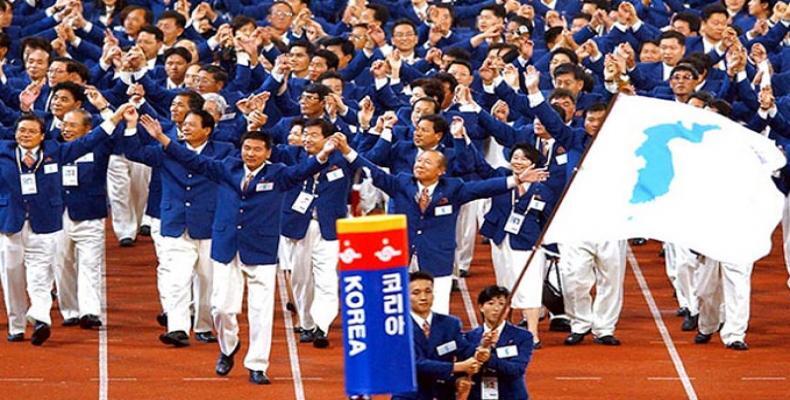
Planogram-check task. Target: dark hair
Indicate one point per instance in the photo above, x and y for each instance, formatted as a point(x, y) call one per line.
point(562, 93)
point(194, 100)
point(217, 72)
point(76, 67)
point(497, 9)
point(380, 12)
point(568, 68)
point(240, 21)
point(560, 111)
point(181, 21)
point(178, 51)
point(148, 15)
point(672, 35)
point(29, 116)
point(492, 292)
point(77, 91)
point(583, 15)
point(596, 107)
point(722, 107)
point(158, 34)
point(521, 21)
point(257, 135)
point(327, 128)
point(346, 46)
point(569, 53)
point(601, 4)
point(5, 41)
point(703, 95)
point(713, 9)
point(689, 18)
point(321, 90)
point(444, 77)
point(206, 120)
point(700, 61)
point(445, 6)
point(302, 43)
point(36, 43)
point(440, 125)
point(458, 53)
point(551, 34)
point(685, 67)
point(417, 275)
point(404, 21)
point(330, 75)
point(463, 63)
point(499, 47)
point(331, 58)
point(436, 106)
point(431, 87)
point(529, 151)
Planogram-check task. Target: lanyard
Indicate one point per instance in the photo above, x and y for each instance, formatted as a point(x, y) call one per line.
point(40, 155)
point(315, 184)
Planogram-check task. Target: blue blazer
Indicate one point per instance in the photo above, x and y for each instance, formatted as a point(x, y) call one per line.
point(246, 223)
point(435, 379)
point(502, 205)
point(432, 234)
point(188, 199)
point(509, 371)
point(331, 199)
point(45, 208)
point(88, 200)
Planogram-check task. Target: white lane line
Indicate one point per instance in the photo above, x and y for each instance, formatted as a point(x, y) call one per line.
point(662, 328)
point(293, 354)
point(470, 309)
point(103, 337)
point(763, 378)
point(666, 378)
point(204, 379)
point(117, 379)
point(578, 378)
point(21, 379)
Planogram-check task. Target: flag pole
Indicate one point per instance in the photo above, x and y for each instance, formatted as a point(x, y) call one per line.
point(545, 229)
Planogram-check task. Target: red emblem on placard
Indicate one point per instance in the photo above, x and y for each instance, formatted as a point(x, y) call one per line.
point(373, 250)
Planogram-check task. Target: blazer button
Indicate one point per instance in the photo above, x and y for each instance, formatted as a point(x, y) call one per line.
point(187, 204)
point(189, 175)
point(189, 188)
point(238, 227)
point(241, 210)
point(419, 232)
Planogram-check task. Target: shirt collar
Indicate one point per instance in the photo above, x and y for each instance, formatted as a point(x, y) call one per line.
point(33, 151)
point(420, 320)
point(198, 149)
point(56, 123)
point(498, 329)
point(431, 188)
point(255, 172)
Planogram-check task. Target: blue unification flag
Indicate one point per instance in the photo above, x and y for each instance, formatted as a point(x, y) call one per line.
point(374, 286)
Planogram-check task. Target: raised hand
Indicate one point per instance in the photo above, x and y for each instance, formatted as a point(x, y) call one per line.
point(366, 111)
point(457, 128)
point(533, 174)
point(532, 79)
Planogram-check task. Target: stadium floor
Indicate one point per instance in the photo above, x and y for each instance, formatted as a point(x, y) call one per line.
point(647, 365)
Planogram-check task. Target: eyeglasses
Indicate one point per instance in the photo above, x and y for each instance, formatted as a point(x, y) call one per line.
point(310, 97)
point(403, 35)
point(282, 14)
point(678, 77)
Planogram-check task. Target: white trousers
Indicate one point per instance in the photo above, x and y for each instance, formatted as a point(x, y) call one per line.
point(227, 297)
point(465, 233)
point(369, 195)
point(79, 266)
point(726, 284)
point(161, 269)
point(681, 266)
point(508, 264)
point(786, 235)
point(27, 263)
point(183, 258)
point(314, 277)
point(584, 265)
point(442, 288)
point(127, 190)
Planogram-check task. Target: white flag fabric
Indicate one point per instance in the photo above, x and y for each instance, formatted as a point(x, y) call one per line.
point(669, 171)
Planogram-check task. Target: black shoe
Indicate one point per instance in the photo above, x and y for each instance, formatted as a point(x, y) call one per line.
point(689, 323)
point(682, 312)
point(16, 337)
point(176, 338)
point(54, 294)
point(161, 319)
point(537, 345)
point(638, 241)
point(464, 273)
point(523, 323)
point(702, 338)
point(560, 325)
point(738, 346)
point(41, 333)
point(321, 341)
point(575, 338)
point(126, 242)
point(607, 340)
point(455, 287)
point(145, 230)
point(205, 337)
point(90, 321)
point(298, 329)
point(307, 336)
point(259, 378)
point(225, 363)
point(290, 307)
point(70, 322)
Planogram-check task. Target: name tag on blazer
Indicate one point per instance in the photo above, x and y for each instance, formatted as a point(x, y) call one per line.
point(50, 168)
point(70, 175)
point(443, 210)
point(507, 351)
point(264, 186)
point(446, 348)
point(334, 175)
point(562, 159)
point(86, 158)
point(537, 204)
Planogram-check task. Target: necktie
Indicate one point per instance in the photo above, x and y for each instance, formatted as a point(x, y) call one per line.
point(426, 329)
point(246, 183)
point(425, 199)
point(544, 147)
point(29, 160)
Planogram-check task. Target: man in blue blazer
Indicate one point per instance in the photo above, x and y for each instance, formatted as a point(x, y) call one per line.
point(80, 259)
point(31, 217)
point(431, 202)
point(510, 349)
point(187, 209)
point(246, 232)
point(440, 349)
